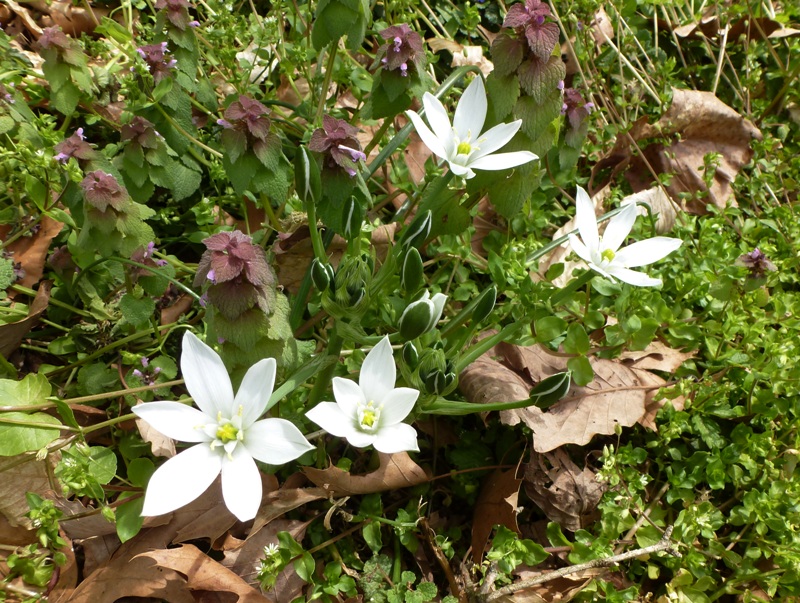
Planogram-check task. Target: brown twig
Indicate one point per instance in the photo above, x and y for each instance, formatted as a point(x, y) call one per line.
point(662, 545)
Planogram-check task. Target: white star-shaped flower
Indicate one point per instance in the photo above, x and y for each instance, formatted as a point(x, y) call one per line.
point(462, 145)
point(604, 254)
point(371, 411)
point(227, 433)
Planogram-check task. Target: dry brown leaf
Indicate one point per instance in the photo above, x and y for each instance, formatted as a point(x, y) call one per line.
point(283, 500)
point(487, 380)
point(617, 396)
point(12, 334)
point(395, 471)
point(657, 356)
point(31, 252)
point(173, 312)
point(203, 573)
point(565, 493)
point(67, 578)
point(756, 28)
point(89, 523)
point(15, 535)
point(160, 444)
point(698, 123)
point(496, 504)
point(76, 20)
point(659, 203)
point(21, 474)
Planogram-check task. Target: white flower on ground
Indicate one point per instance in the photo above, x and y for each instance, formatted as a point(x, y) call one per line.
point(227, 433)
point(462, 145)
point(604, 254)
point(371, 411)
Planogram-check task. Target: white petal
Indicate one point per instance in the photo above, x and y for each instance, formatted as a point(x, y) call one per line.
point(632, 277)
point(175, 420)
point(275, 441)
point(580, 249)
point(330, 417)
point(586, 220)
point(460, 170)
point(206, 377)
point(241, 484)
point(348, 395)
point(647, 251)
point(619, 227)
point(181, 479)
point(427, 136)
point(396, 438)
point(255, 390)
point(496, 138)
point(503, 161)
point(378, 373)
point(398, 404)
point(437, 117)
point(360, 439)
point(439, 301)
point(471, 111)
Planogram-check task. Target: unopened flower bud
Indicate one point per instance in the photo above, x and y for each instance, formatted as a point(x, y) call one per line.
point(410, 355)
point(306, 176)
point(322, 274)
point(421, 316)
point(418, 231)
point(412, 271)
point(485, 304)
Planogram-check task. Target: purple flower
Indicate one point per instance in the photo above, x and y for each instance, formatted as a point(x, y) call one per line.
point(74, 146)
point(336, 139)
point(102, 190)
point(403, 46)
point(54, 44)
point(756, 262)
point(141, 132)
point(159, 62)
point(575, 108)
point(249, 116)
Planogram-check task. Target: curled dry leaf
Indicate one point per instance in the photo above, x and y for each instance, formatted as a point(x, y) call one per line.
point(757, 28)
point(160, 444)
point(657, 356)
point(283, 500)
point(697, 123)
point(565, 493)
point(463, 55)
point(31, 251)
point(12, 334)
point(486, 380)
point(21, 474)
point(395, 471)
point(659, 203)
point(497, 504)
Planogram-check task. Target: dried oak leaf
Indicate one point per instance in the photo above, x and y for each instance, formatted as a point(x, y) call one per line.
point(12, 334)
point(697, 123)
point(486, 380)
point(496, 504)
point(202, 573)
point(283, 500)
point(657, 356)
point(21, 474)
point(565, 493)
point(618, 396)
point(394, 472)
point(31, 251)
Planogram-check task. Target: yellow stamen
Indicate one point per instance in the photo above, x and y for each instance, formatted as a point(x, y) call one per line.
point(463, 148)
point(608, 255)
point(227, 433)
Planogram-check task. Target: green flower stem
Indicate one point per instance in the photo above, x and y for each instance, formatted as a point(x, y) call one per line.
point(533, 257)
point(404, 132)
point(104, 350)
point(377, 137)
point(52, 301)
point(442, 406)
point(486, 344)
point(463, 316)
point(571, 287)
point(316, 240)
point(34, 424)
point(109, 423)
point(326, 82)
point(325, 375)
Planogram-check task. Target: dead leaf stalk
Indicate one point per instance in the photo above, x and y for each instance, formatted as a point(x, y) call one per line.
point(443, 562)
point(663, 545)
point(645, 516)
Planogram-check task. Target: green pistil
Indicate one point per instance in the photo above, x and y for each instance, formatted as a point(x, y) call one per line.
point(227, 433)
point(463, 148)
point(368, 420)
point(608, 255)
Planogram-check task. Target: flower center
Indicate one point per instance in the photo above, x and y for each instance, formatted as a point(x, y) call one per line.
point(608, 255)
point(369, 416)
point(227, 433)
point(463, 148)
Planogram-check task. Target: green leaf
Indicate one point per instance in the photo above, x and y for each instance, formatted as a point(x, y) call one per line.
point(140, 470)
point(129, 516)
point(102, 464)
point(581, 368)
point(536, 117)
point(65, 100)
point(33, 389)
point(549, 328)
point(502, 92)
point(138, 312)
point(577, 341)
point(16, 439)
point(540, 79)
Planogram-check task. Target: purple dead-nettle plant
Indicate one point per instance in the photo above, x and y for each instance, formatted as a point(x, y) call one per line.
point(158, 60)
point(756, 262)
point(56, 44)
point(147, 373)
point(236, 275)
point(530, 18)
point(575, 107)
point(74, 146)
point(177, 12)
point(247, 124)
point(141, 132)
point(102, 190)
point(403, 49)
point(337, 141)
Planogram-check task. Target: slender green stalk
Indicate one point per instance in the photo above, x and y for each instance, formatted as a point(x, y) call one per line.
point(326, 82)
point(52, 301)
point(571, 287)
point(325, 375)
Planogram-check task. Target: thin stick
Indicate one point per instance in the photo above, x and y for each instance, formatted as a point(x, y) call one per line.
point(662, 545)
